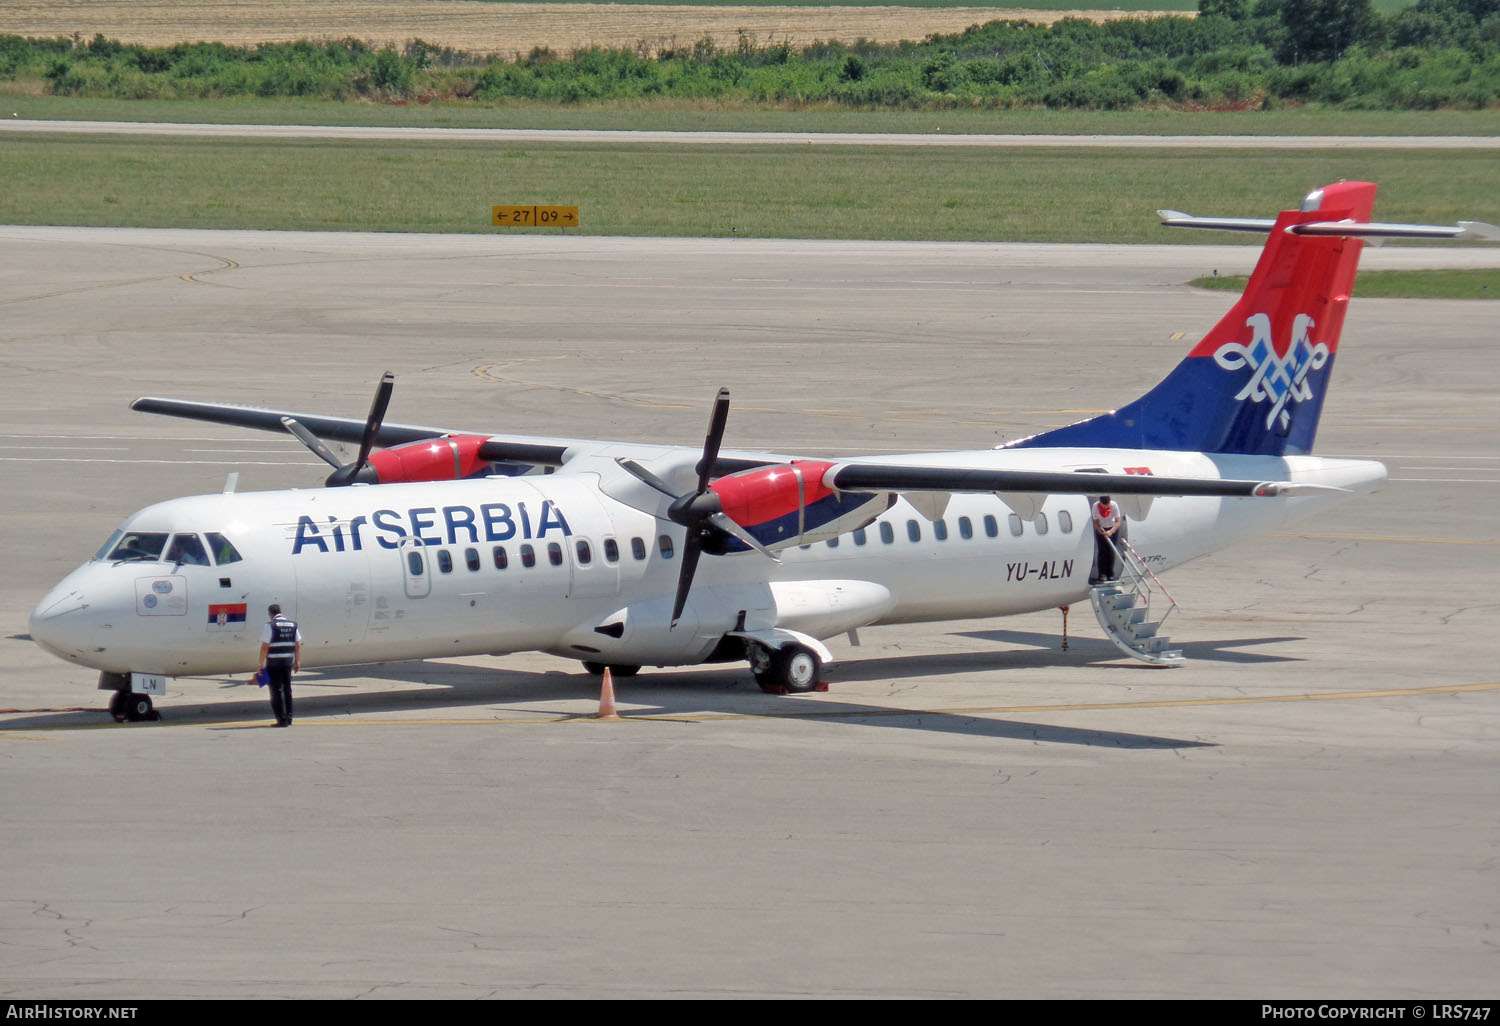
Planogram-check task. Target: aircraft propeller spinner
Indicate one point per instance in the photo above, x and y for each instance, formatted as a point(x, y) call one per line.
point(700, 511)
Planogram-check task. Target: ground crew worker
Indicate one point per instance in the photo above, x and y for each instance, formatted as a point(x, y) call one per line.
point(280, 657)
point(1107, 523)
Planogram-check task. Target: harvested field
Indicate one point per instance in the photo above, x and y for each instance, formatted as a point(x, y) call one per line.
point(504, 29)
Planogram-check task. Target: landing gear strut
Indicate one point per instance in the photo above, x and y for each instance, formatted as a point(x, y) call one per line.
point(793, 669)
point(123, 705)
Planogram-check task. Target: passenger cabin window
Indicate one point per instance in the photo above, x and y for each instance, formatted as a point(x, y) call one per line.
point(887, 532)
point(611, 551)
point(1016, 526)
point(914, 530)
point(445, 561)
point(139, 546)
point(833, 543)
point(187, 549)
point(859, 536)
point(940, 529)
point(1040, 523)
point(471, 559)
point(638, 548)
point(1065, 521)
point(665, 543)
point(965, 528)
point(414, 562)
point(224, 552)
point(554, 554)
point(991, 527)
point(502, 560)
point(585, 554)
point(528, 556)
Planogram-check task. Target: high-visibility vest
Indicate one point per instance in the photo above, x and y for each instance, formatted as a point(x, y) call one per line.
point(283, 648)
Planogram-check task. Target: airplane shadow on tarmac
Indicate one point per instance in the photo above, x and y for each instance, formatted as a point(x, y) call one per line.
point(1045, 649)
point(726, 689)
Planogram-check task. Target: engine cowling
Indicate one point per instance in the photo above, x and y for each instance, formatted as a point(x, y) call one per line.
point(788, 504)
point(447, 458)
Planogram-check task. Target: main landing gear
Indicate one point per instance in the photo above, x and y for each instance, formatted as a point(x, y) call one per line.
point(615, 670)
point(790, 670)
point(124, 706)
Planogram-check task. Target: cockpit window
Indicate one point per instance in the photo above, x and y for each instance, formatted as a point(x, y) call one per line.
point(109, 546)
point(139, 546)
point(223, 551)
point(187, 549)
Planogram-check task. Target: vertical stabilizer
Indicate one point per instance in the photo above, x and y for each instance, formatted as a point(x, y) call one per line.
point(1256, 382)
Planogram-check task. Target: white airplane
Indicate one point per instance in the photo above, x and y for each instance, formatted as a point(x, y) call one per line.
point(455, 544)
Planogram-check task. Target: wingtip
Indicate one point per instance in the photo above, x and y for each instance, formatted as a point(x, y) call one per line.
point(1480, 230)
point(1285, 489)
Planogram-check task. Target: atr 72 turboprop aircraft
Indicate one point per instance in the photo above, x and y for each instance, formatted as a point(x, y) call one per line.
point(457, 544)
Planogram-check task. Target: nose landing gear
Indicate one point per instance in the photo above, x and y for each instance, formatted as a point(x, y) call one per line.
point(123, 705)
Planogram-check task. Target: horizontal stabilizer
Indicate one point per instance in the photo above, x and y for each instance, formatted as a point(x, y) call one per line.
point(1177, 219)
point(1342, 228)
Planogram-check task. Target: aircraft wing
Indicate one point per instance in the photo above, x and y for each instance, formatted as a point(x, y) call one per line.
point(496, 448)
point(520, 450)
point(851, 477)
point(867, 477)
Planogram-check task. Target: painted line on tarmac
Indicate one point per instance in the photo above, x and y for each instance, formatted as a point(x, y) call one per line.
point(808, 714)
point(1387, 538)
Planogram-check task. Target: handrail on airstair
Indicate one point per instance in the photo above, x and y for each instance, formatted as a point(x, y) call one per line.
point(1140, 576)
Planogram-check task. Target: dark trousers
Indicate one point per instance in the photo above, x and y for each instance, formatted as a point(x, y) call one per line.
point(280, 684)
point(1104, 559)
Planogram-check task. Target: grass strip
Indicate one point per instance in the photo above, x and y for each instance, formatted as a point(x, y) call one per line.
point(799, 191)
point(666, 116)
point(1483, 283)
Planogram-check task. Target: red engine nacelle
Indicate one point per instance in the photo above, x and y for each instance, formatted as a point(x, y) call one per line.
point(447, 458)
point(768, 493)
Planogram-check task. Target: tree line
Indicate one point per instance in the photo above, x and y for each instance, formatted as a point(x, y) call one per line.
point(1237, 54)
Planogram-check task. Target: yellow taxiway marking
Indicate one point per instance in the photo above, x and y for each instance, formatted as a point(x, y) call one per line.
point(20, 733)
point(1389, 538)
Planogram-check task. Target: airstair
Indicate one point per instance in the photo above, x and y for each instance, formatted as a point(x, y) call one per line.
point(1125, 610)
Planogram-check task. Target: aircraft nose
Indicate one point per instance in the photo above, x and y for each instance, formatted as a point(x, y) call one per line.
point(57, 622)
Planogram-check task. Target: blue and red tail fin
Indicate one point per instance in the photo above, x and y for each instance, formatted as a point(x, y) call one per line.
point(1256, 382)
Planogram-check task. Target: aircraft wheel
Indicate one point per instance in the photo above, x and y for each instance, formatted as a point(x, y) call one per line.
point(762, 664)
point(597, 669)
point(138, 708)
point(798, 668)
point(117, 709)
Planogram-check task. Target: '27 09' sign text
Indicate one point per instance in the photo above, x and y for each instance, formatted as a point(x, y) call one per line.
point(534, 217)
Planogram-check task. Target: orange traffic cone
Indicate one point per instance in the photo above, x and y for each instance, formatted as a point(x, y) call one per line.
point(607, 709)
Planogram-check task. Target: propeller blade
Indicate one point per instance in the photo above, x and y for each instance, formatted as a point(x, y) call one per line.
point(712, 440)
point(691, 550)
point(312, 441)
point(727, 524)
point(645, 476)
point(377, 415)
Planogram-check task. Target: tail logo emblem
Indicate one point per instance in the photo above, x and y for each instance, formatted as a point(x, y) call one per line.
point(1277, 380)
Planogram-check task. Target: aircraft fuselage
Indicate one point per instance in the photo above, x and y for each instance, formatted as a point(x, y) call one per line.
point(556, 563)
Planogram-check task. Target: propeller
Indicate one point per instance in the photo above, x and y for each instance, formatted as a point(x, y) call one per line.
point(349, 473)
point(700, 511)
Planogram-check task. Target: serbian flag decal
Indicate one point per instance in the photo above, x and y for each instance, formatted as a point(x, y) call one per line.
point(227, 616)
